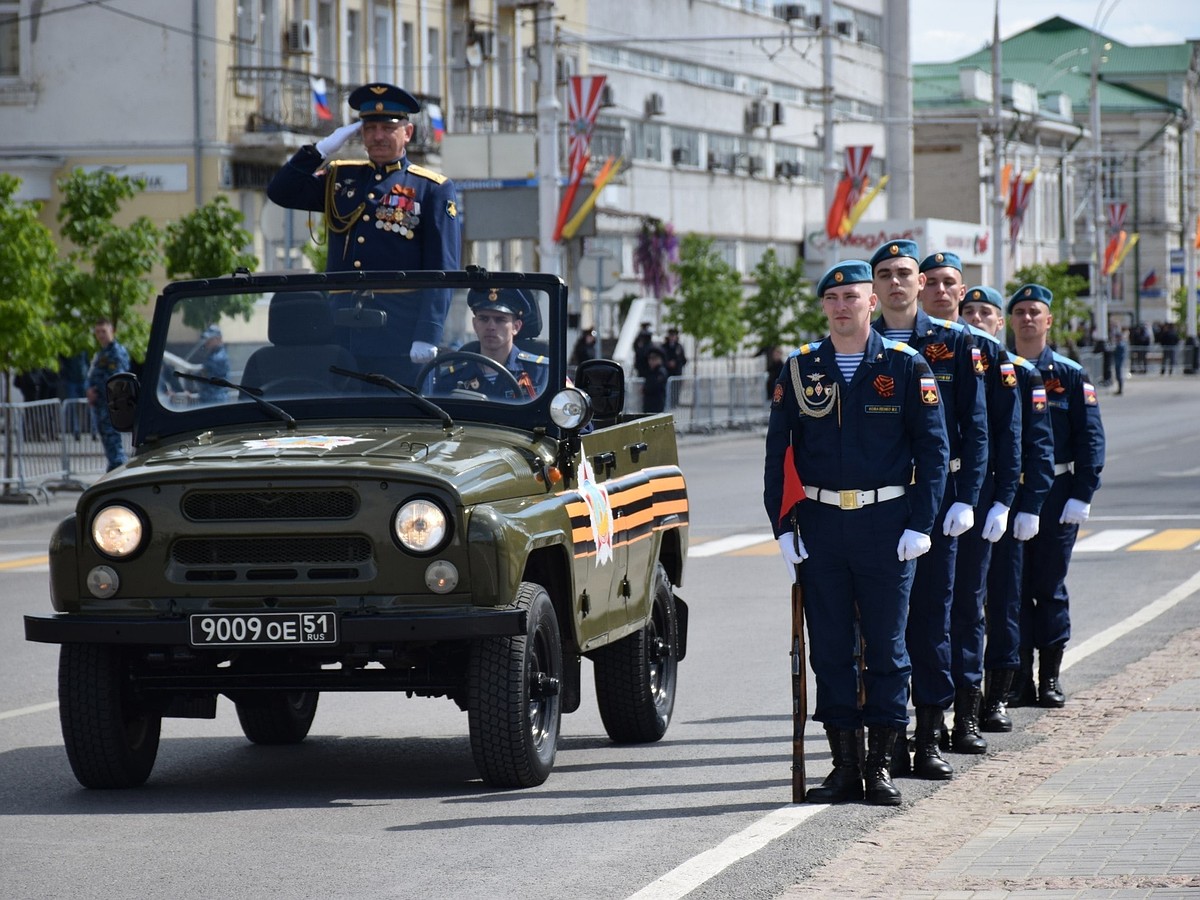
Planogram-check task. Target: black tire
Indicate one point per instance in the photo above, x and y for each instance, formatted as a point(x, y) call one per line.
point(277, 717)
point(514, 702)
point(110, 734)
point(636, 676)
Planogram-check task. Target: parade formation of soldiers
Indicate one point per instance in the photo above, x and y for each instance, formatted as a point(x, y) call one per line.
point(918, 429)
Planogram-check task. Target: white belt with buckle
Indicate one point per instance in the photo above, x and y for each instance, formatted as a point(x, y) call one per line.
point(853, 499)
point(955, 465)
point(1063, 468)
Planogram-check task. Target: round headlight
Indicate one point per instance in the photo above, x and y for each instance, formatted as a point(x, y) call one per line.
point(420, 526)
point(570, 409)
point(117, 531)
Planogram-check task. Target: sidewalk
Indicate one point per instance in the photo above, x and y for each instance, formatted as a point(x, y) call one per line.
point(1105, 804)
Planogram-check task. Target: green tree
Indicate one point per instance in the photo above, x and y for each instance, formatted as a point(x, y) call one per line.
point(28, 259)
point(109, 265)
point(206, 243)
point(708, 299)
point(1069, 313)
point(781, 313)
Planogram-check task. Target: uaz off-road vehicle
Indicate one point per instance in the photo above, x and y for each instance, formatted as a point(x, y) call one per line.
point(303, 524)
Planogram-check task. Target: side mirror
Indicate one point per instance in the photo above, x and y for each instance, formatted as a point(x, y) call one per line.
point(122, 396)
point(603, 380)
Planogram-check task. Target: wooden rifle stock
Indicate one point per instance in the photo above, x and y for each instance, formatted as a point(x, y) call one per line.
point(799, 691)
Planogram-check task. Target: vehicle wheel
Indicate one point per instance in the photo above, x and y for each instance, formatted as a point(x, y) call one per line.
point(110, 734)
point(277, 717)
point(636, 676)
point(514, 707)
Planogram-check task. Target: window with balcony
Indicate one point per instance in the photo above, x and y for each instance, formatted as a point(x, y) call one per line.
point(433, 61)
point(381, 43)
point(408, 59)
point(10, 40)
point(648, 141)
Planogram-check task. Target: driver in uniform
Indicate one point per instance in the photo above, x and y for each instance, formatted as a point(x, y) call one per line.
point(499, 315)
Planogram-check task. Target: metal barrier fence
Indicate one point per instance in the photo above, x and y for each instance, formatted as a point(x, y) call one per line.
point(49, 445)
point(708, 403)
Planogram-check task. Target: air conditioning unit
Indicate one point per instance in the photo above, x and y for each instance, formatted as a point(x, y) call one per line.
point(814, 21)
point(301, 36)
point(757, 115)
point(678, 156)
point(789, 12)
point(714, 161)
point(787, 168)
point(777, 113)
point(755, 165)
point(608, 97)
point(655, 105)
point(844, 28)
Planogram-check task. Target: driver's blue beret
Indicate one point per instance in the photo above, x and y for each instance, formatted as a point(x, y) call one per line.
point(513, 301)
point(1031, 292)
point(894, 250)
point(851, 271)
point(383, 101)
point(983, 294)
point(941, 260)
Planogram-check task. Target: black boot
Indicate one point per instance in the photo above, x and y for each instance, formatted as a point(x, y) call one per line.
point(845, 782)
point(966, 737)
point(880, 743)
point(1050, 692)
point(995, 716)
point(927, 762)
point(1023, 692)
point(901, 766)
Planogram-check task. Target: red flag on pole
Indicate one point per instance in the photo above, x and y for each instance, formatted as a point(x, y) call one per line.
point(583, 103)
point(849, 191)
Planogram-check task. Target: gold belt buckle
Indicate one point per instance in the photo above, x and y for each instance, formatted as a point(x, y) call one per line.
point(848, 500)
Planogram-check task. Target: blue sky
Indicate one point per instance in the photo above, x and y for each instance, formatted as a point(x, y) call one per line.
point(947, 29)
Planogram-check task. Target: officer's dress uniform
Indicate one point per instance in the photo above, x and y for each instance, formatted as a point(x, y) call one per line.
point(856, 444)
point(394, 216)
point(532, 371)
point(1078, 460)
point(107, 362)
point(1000, 483)
point(1001, 659)
point(956, 363)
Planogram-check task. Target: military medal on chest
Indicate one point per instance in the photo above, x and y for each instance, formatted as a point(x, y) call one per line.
point(399, 211)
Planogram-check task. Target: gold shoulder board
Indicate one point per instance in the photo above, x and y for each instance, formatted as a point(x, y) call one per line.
point(436, 177)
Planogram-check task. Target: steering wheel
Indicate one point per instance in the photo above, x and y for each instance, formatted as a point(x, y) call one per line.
point(478, 358)
point(295, 383)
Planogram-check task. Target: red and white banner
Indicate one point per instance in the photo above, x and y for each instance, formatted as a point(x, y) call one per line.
point(849, 191)
point(583, 103)
point(1019, 193)
point(1117, 212)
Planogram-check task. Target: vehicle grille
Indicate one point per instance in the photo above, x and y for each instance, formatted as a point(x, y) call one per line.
point(276, 551)
point(253, 506)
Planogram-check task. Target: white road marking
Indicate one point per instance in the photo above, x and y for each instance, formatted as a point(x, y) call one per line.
point(27, 710)
point(1110, 539)
point(728, 544)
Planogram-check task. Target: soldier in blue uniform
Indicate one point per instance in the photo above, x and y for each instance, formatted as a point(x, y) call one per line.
point(856, 418)
point(958, 366)
point(499, 316)
point(385, 213)
point(214, 365)
point(108, 361)
point(1078, 461)
point(944, 290)
point(983, 307)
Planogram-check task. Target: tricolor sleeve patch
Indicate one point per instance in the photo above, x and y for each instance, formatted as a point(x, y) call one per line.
point(929, 391)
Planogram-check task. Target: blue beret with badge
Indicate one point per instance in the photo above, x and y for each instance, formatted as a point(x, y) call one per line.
point(383, 101)
point(513, 301)
point(212, 331)
point(851, 271)
point(895, 250)
point(1031, 292)
point(983, 294)
point(941, 260)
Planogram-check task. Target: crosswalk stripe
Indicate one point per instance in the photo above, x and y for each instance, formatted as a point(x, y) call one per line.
point(25, 562)
point(1110, 539)
point(726, 544)
point(1170, 539)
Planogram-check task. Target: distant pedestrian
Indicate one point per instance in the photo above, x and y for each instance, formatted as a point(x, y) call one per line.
point(1120, 347)
point(1168, 339)
point(673, 354)
point(654, 388)
point(108, 361)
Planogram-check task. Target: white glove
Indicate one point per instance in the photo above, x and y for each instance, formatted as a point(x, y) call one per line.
point(793, 551)
point(1026, 526)
point(959, 519)
point(995, 523)
point(913, 544)
point(421, 352)
point(1075, 512)
point(332, 143)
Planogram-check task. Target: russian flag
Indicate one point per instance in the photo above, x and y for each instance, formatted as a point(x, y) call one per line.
point(320, 103)
point(436, 122)
point(1150, 280)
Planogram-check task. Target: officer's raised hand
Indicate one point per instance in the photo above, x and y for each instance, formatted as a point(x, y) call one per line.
point(332, 143)
point(1075, 512)
point(995, 523)
point(1026, 526)
point(959, 519)
point(792, 548)
point(913, 544)
point(421, 352)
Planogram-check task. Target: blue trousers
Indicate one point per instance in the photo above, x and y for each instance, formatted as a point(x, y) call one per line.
point(1045, 605)
point(114, 450)
point(1004, 604)
point(928, 633)
point(970, 588)
point(853, 576)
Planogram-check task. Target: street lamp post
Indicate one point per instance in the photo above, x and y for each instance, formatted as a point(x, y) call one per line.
point(1099, 221)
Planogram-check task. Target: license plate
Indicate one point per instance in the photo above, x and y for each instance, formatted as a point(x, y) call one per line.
point(264, 629)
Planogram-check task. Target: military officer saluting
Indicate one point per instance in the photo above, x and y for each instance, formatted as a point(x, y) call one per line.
point(952, 355)
point(1078, 460)
point(499, 316)
point(858, 417)
point(382, 213)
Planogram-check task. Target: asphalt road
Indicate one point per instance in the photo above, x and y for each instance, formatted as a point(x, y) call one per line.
point(383, 798)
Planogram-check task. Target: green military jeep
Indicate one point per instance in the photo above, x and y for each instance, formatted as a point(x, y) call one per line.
point(307, 510)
